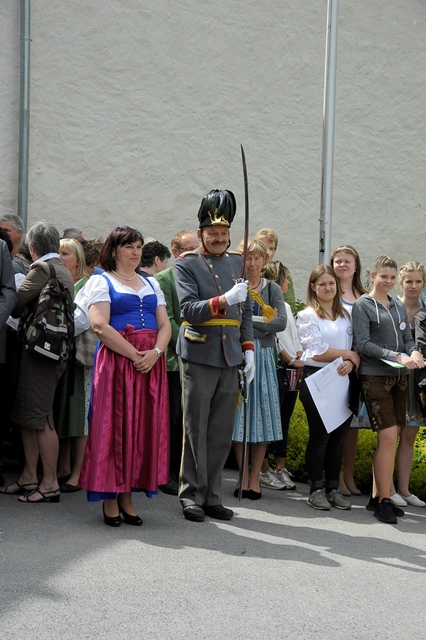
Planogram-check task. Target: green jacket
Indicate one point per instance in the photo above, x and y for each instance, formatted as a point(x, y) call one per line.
point(166, 280)
point(290, 297)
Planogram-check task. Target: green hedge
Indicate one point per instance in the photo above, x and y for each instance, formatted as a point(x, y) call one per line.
point(298, 438)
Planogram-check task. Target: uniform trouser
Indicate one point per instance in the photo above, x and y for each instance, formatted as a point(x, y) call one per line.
point(175, 404)
point(210, 396)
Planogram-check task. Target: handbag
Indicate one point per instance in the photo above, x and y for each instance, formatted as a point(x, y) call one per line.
point(282, 375)
point(85, 347)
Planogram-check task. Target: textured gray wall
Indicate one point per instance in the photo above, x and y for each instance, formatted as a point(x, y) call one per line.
point(138, 109)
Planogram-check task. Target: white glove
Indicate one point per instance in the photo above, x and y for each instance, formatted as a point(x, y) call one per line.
point(237, 294)
point(249, 365)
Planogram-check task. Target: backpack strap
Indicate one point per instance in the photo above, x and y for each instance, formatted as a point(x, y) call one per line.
point(52, 270)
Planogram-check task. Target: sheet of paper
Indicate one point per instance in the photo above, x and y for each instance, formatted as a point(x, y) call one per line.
point(393, 364)
point(330, 393)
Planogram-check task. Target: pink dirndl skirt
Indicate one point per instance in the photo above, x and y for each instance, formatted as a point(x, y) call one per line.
point(128, 443)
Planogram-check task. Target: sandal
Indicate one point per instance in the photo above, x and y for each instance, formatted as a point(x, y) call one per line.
point(46, 496)
point(22, 490)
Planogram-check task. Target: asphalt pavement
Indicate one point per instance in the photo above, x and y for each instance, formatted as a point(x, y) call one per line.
point(279, 569)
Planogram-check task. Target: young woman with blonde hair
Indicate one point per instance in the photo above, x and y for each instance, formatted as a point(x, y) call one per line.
point(411, 279)
point(382, 336)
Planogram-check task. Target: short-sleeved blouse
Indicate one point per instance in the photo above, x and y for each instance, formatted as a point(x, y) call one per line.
point(317, 335)
point(128, 307)
point(97, 289)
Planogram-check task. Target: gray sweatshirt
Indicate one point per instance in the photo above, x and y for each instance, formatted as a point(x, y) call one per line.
point(380, 333)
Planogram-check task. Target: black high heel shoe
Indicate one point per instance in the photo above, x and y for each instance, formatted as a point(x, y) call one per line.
point(128, 519)
point(111, 521)
point(244, 493)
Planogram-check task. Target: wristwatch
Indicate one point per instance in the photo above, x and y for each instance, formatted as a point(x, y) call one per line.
point(159, 352)
point(291, 362)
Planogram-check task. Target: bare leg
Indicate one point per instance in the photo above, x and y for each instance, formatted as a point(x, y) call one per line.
point(265, 465)
point(238, 448)
point(64, 458)
point(79, 448)
point(257, 457)
point(404, 458)
point(31, 452)
point(111, 508)
point(384, 461)
point(281, 462)
point(349, 452)
point(48, 444)
point(127, 504)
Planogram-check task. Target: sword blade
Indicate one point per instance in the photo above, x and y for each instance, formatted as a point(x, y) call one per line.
point(246, 213)
point(243, 275)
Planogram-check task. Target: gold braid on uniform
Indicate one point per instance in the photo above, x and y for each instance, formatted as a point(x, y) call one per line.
point(268, 314)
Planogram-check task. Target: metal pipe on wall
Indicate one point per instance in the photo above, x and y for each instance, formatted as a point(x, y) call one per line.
point(328, 131)
point(24, 112)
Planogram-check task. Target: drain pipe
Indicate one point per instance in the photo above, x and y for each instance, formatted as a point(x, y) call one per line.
point(24, 115)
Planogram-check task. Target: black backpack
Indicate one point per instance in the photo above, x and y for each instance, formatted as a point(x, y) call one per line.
point(48, 332)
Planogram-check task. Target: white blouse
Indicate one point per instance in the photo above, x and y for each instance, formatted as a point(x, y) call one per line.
point(97, 290)
point(317, 335)
point(288, 339)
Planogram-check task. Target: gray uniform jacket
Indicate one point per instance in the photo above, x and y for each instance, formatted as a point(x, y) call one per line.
point(8, 295)
point(265, 331)
point(380, 333)
point(200, 279)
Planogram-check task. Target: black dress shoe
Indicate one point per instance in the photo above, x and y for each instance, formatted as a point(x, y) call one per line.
point(219, 512)
point(136, 521)
point(69, 488)
point(171, 488)
point(111, 521)
point(193, 512)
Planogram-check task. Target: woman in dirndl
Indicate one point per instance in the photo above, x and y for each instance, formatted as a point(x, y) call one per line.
point(263, 408)
point(128, 444)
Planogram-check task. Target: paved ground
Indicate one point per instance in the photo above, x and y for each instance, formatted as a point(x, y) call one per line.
point(279, 569)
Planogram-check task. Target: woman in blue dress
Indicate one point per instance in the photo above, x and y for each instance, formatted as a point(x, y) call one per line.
point(127, 448)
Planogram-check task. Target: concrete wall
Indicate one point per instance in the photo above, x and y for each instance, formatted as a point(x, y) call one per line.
point(139, 108)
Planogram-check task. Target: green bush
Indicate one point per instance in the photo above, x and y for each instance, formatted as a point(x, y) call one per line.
point(298, 438)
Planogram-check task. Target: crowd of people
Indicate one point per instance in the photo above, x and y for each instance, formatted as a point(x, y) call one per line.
point(174, 365)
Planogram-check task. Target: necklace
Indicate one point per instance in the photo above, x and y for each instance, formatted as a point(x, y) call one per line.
point(123, 278)
point(346, 288)
point(258, 284)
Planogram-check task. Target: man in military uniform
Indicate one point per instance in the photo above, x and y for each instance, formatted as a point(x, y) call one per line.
point(215, 332)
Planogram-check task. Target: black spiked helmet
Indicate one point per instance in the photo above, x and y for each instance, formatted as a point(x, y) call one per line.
point(217, 208)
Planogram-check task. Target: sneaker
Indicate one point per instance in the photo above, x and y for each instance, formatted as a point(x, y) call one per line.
point(385, 513)
point(270, 481)
point(373, 502)
point(414, 501)
point(284, 476)
point(398, 500)
point(337, 500)
point(317, 500)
